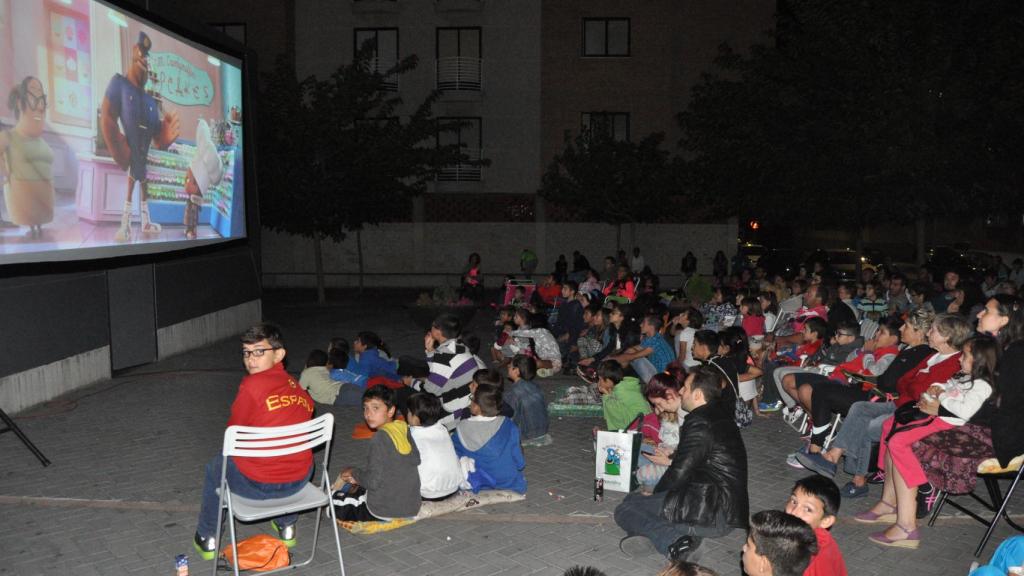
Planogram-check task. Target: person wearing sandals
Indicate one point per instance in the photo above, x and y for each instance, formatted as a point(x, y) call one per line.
point(944, 406)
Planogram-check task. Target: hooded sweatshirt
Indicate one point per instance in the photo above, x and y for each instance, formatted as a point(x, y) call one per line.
point(492, 442)
point(623, 403)
point(391, 478)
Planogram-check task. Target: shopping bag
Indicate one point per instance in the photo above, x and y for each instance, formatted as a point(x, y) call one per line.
point(617, 457)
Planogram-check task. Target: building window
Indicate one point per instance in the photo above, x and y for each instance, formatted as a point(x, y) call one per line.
point(234, 30)
point(383, 46)
point(459, 59)
point(606, 36)
point(615, 125)
point(469, 137)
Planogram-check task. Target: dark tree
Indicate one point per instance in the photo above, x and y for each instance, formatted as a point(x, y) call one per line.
point(869, 111)
point(335, 157)
point(614, 181)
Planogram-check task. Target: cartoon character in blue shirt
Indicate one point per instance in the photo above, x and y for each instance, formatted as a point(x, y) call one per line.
point(127, 102)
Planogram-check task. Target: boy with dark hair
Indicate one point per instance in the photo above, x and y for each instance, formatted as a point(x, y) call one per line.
point(388, 487)
point(523, 396)
point(622, 397)
point(451, 364)
point(815, 500)
point(653, 353)
point(777, 545)
point(440, 473)
point(491, 444)
point(268, 396)
point(569, 324)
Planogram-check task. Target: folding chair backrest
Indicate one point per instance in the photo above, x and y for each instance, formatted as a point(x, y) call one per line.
point(780, 320)
point(269, 442)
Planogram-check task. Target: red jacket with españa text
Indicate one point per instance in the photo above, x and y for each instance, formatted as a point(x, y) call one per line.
point(272, 398)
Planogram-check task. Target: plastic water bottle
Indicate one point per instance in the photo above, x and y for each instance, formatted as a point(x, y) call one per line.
point(181, 564)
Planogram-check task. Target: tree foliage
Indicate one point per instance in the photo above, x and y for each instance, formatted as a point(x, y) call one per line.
point(334, 155)
point(869, 110)
point(608, 180)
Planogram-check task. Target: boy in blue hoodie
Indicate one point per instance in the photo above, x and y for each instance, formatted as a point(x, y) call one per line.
point(492, 442)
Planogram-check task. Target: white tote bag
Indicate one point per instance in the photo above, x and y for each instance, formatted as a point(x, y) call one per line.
point(617, 457)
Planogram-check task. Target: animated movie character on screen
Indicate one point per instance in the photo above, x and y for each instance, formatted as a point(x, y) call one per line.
point(126, 101)
point(204, 171)
point(26, 160)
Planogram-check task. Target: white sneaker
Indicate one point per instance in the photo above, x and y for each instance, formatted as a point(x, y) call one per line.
point(794, 417)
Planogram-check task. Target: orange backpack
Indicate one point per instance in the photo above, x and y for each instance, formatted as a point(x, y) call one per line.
point(260, 553)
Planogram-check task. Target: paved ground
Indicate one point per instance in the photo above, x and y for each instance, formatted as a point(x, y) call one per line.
point(122, 494)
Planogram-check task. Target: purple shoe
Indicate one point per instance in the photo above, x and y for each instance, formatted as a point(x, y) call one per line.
point(911, 540)
point(870, 517)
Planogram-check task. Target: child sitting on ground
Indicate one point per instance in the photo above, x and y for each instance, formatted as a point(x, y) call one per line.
point(440, 473)
point(621, 396)
point(317, 379)
point(388, 487)
point(815, 500)
point(488, 445)
point(523, 396)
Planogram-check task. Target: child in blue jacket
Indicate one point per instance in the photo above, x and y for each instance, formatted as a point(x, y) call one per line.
point(492, 442)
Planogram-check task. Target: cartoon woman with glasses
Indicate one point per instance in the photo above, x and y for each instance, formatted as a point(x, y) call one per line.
point(26, 160)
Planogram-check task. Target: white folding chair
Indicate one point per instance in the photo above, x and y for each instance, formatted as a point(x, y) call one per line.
point(256, 442)
point(833, 429)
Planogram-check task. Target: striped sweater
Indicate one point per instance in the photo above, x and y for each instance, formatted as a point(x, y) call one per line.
point(452, 366)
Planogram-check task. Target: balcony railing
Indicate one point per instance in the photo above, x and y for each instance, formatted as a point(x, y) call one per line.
point(463, 171)
point(389, 82)
point(460, 73)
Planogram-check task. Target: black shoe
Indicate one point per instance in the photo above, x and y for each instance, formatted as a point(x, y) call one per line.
point(685, 548)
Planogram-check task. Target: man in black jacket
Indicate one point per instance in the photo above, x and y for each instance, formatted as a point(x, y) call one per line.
point(703, 494)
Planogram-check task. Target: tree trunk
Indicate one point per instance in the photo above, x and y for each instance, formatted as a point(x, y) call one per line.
point(359, 252)
point(858, 246)
point(318, 255)
point(919, 251)
point(618, 237)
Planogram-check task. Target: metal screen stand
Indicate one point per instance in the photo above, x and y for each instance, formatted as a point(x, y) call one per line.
point(11, 426)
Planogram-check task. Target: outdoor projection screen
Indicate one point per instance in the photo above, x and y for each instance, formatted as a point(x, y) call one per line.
point(99, 106)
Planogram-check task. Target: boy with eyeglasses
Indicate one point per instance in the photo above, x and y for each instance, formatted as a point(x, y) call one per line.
point(268, 396)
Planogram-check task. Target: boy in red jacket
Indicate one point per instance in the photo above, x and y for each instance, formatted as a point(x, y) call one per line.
point(815, 500)
point(268, 396)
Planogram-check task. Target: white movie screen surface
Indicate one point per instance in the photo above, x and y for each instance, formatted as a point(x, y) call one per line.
point(117, 137)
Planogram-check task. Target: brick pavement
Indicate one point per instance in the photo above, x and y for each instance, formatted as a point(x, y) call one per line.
point(123, 492)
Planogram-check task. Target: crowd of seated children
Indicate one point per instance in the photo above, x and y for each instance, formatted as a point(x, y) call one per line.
point(611, 318)
point(815, 500)
point(942, 406)
point(439, 470)
point(652, 354)
point(686, 325)
point(388, 485)
point(663, 392)
point(794, 382)
point(778, 544)
point(488, 444)
point(622, 397)
point(528, 405)
point(835, 393)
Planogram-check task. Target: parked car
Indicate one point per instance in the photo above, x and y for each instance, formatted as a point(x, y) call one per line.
point(751, 253)
point(784, 261)
point(841, 263)
point(941, 259)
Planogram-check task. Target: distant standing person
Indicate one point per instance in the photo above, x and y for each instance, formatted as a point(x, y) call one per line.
point(720, 267)
point(688, 266)
point(636, 262)
point(473, 279)
point(580, 267)
point(527, 262)
point(561, 268)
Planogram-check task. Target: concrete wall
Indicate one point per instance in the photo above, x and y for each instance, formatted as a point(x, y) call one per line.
point(427, 254)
